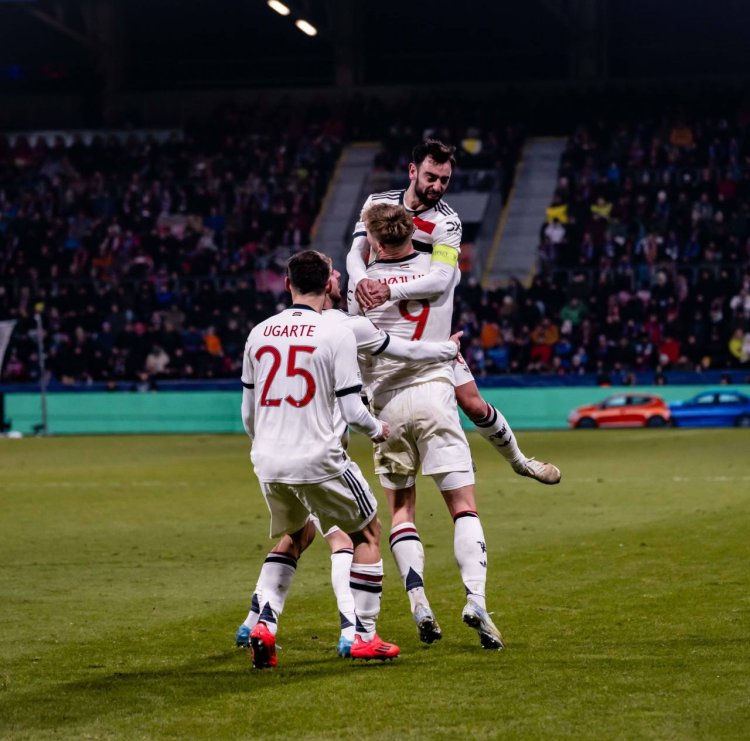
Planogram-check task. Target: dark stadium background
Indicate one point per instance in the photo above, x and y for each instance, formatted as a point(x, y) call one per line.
point(87, 48)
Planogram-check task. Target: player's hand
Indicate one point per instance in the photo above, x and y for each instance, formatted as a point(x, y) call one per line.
point(456, 337)
point(371, 293)
point(384, 435)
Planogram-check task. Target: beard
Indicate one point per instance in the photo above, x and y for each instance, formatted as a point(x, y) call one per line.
point(429, 199)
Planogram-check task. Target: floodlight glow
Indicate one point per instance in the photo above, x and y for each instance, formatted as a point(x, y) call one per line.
point(306, 27)
point(279, 7)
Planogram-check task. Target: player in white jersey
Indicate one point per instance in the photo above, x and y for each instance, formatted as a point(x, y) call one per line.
point(437, 233)
point(417, 401)
point(298, 366)
point(371, 342)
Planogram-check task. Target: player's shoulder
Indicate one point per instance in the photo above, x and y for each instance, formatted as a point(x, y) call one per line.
point(335, 316)
point(445, 210)
point(335, 321)
point(387, 196)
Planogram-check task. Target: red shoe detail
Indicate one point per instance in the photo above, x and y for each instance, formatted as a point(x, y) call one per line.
point(377, 648)
point(263, 645)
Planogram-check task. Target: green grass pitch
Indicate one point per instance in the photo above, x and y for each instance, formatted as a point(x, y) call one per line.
point(126, 564)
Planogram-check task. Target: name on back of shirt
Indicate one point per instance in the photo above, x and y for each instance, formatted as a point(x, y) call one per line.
point(293, 330)
point(398, 278)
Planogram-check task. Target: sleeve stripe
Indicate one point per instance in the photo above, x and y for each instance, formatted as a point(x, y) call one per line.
point(385, 344)
point(248, 385)
point(359, 234)
point(350, 390)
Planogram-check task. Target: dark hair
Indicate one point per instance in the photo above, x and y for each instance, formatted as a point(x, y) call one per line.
point(309, 271)
point(389, 224)
point(436, 149)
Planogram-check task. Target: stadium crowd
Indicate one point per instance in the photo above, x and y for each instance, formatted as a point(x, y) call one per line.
point(152, 258)
point(644, 259)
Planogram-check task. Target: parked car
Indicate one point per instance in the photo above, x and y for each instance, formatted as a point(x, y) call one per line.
point(720, 408)
point(622, 410)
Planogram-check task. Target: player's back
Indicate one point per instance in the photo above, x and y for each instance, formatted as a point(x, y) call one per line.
point(421, 319)
point(292, 354)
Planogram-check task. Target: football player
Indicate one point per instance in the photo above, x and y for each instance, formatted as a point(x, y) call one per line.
point(299, 367)
point(437, 233)
point(417, 400)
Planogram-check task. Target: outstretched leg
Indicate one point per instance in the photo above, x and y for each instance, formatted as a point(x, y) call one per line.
point(494, 428)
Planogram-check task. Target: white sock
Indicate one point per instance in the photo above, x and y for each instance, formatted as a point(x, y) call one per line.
point(252, 617)
point(408, 553)
point(341, 566)
point(494, 428)
point(275, 579)
point(471, 554)
point(367, 588)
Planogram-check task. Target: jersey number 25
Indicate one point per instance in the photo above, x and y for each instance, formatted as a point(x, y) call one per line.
point(291, 370)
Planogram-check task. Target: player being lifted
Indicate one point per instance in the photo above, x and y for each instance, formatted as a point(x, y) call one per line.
point(370, 341)
point(417, 401)
point(299, 366)
point(438, 233)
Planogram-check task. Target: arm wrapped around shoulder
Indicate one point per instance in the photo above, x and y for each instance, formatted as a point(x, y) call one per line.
point(436, 282)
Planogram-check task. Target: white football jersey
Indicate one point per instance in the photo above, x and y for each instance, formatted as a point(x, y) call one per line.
point(298, 362)
point(419, 319)
point(438, 224)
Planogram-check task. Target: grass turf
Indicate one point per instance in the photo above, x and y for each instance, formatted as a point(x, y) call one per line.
point(126, 564)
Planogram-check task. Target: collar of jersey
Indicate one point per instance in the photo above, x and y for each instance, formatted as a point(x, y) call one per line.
point(398, 259)
point(302, 306)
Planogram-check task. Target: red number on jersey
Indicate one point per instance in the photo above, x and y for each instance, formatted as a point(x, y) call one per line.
point(420, 319)
point(291, 370)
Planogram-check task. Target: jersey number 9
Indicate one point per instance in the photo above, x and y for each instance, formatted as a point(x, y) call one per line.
point(419, 319)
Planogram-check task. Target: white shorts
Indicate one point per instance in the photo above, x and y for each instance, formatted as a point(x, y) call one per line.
point(425, 429)
point(346, 501)
point(461, 372)
point(331, 530)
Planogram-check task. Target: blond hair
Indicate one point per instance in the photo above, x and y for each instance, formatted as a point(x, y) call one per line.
point(390, 225)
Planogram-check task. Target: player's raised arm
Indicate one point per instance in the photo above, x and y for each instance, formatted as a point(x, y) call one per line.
point(356, 259)
point(442, 267)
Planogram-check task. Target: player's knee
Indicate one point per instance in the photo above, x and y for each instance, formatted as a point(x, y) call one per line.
point(369, 534)
point(295, 544)
point(338, 540)
point(471, 403)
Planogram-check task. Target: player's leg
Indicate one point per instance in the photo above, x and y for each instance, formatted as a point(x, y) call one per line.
point(408, 553)
point(342, 555)
point(347, 501)
point(294, 544)
point(494, 428)
point(399, 454)
point(367, 588)
point(470, 550)
point(288, 516)
point(446, 457)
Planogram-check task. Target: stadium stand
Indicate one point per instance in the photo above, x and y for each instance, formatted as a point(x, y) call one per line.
point(150, 255)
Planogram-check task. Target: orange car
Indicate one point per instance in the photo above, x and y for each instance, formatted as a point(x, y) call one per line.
point(623, 410)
